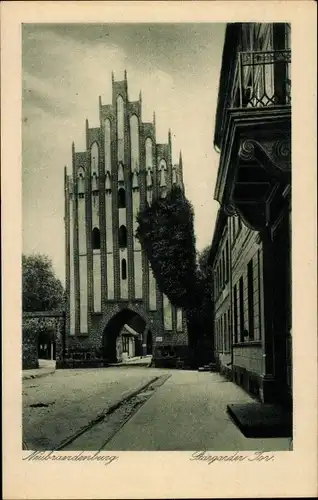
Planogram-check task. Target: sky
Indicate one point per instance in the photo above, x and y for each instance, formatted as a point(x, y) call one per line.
point(66, 67)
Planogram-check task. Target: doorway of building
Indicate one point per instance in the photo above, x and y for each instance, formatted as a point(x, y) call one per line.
point(124, 329)
point(47, 345)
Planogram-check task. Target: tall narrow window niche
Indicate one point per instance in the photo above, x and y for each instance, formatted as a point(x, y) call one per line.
point(162, 169)
point(94, 168)
point(134, 143)
point(138, 272)
point(107, 146)
point(82, 249)
point(96, 239)
point(149, 169)
point(123, 269)
point(122, 237)
point(121, 198)
point(120, 129)
point(81, 182)
point(120, 174)
point(95, 183)
point(108, 242)
point(96, 270)
point(122, 240)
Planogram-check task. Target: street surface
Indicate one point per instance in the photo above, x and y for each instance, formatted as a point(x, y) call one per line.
point(74, 398)
point(88, 409)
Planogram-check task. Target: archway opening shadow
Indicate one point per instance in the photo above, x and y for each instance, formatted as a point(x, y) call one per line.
point(113, 329)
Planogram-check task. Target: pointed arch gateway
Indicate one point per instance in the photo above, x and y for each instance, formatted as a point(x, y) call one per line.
point(136, 319)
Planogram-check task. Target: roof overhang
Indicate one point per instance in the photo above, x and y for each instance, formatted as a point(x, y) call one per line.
point(255, 160)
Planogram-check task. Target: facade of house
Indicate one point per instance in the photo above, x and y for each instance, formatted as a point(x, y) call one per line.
point(221, 296)
point(109, 282)
point(251, 248)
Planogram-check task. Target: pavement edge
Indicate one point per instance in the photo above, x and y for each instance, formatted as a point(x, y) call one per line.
point(126, 396)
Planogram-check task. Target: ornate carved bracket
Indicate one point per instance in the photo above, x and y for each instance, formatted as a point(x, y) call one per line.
point(230, 209)
point(274, 155)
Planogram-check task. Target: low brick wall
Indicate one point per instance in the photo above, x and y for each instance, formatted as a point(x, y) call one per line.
point(90, 357)
point(80, 363)
point(170, 356)
point(81, 357)
point(29, 348)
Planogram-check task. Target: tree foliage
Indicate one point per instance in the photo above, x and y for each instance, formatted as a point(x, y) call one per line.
point(166, 232)
point(201, 320)
point(41, 289)
point(205, 279)
point(203, 257)
point(204, 272)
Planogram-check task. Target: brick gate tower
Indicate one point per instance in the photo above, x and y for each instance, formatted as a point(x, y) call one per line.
point(109, 282)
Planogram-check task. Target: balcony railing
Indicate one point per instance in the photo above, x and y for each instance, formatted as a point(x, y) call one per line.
point(262, 79)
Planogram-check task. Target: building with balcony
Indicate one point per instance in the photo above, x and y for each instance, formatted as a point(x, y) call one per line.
point(113, 303)
point(251, 248)
point(219, 260)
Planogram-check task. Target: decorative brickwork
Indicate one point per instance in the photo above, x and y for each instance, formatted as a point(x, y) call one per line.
point(88, 347)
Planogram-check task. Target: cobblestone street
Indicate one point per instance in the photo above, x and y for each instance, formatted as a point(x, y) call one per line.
point(134, 408)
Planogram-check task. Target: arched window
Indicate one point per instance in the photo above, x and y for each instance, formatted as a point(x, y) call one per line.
point(122, 237)
point(123, 269)
point(96, 239)
point(121, 198)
